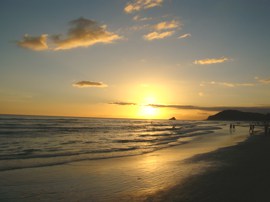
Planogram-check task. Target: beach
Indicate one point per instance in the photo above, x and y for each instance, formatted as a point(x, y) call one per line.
point(134, 101)
point(208, 167)
point(238, 173)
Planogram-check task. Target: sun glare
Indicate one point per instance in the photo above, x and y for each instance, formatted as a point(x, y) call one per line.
point(148, 111)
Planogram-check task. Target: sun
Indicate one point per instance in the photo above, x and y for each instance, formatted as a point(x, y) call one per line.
point(148, 111)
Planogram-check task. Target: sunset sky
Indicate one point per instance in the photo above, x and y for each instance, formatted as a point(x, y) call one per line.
point(134, 58)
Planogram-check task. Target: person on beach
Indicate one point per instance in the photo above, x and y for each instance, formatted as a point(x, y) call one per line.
point(231, 128)
point(266, 128)
point(251, 129)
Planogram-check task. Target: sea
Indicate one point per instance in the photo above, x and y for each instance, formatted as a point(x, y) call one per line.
point(38, 141)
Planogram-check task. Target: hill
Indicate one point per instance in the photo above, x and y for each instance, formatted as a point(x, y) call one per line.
point(235, 115)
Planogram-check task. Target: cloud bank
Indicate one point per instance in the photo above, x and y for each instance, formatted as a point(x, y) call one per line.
point(209, 61)
point(261, 109)
point(89, 84)
point(138, 5)
point(83, 33)
point(38, 43)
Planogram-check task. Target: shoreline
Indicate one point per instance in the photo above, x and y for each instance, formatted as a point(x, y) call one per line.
point(136, 178)
point(237, 173)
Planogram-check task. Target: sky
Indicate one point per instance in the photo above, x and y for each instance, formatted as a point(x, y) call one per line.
point(151, 59)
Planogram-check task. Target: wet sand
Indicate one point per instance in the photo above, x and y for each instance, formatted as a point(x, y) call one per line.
point(237, 173)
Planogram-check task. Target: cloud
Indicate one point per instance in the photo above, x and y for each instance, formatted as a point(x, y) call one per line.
point(141, 19)
point(262, 109)
point(167, 25)
point(228, 84)
point(38, 43)
point(158, 30)
point(184, 36)
point(139, 27)
point(138, 5)
point(156, 35)
point(83, 33)
point(209, 61)
point(263, 81)
point(232, 85)
point(259, 108)
point(88, 84)
point(123, 103)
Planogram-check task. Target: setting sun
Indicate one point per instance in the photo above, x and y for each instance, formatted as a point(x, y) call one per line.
point(148, 111)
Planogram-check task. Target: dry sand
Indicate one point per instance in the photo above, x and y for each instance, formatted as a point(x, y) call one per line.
point(239, 173)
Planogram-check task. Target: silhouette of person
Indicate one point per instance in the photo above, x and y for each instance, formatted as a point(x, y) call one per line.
point(266, 128)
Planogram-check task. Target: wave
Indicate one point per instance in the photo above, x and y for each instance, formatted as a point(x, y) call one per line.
point(38, 141)
point(28, 153)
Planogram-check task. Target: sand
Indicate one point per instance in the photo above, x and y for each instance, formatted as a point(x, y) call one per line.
point(197, 171)
point(238, 173)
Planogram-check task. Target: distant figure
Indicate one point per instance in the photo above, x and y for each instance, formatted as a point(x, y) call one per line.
point(266, 128)
point(232, 128)
point(251, 129)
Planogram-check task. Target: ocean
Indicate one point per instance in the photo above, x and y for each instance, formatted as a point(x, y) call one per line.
point(38, 141)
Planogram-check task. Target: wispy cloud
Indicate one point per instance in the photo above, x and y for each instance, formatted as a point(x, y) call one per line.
point(158, 35)
point(184, 36)
point(88, 84)
point(209, 61)
point(83, 33)
point(263, 81)
point(162, 30)
point(167, 25)
point(139, 27)
point(123, 103)
point(38, 43)
point(228, 84)
point(137, 5)
point(141, 19)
